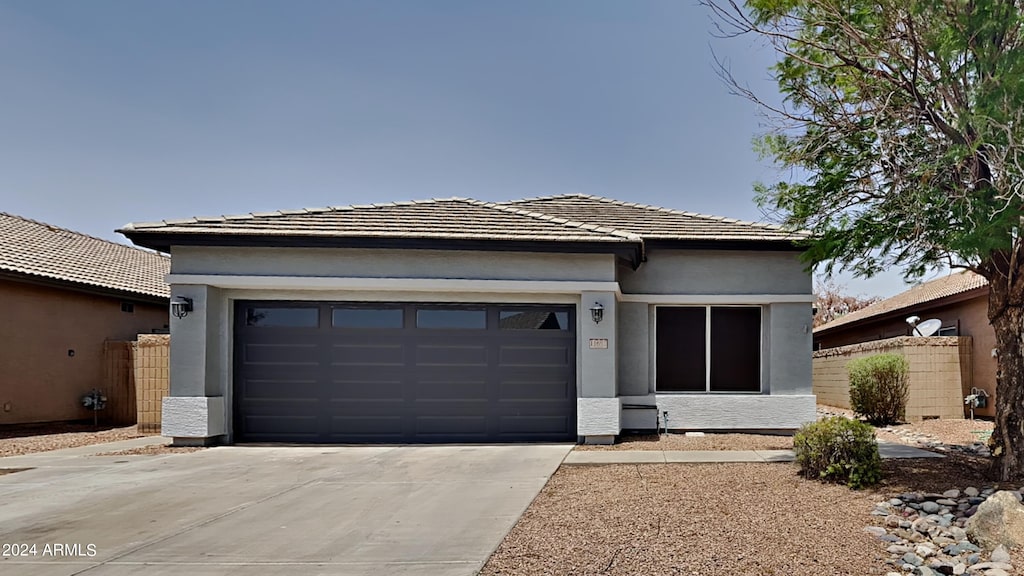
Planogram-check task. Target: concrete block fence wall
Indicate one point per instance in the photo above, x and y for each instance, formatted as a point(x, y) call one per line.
point(940, 373)
point(152, 378)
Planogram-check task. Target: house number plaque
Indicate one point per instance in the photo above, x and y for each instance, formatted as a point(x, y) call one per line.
point(598, 343)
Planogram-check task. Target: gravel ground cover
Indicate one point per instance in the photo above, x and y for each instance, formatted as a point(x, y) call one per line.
point(710, 441)
point(706, 519)
point(43, 438)
point(952, 432)
point(711, 519)
point(153, 450)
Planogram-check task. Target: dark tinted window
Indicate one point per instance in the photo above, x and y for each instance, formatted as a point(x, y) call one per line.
point(367, 318)
point(735, 349)
point(533, 320)
point(681, 349)
point(451, 318)
point(283, 317)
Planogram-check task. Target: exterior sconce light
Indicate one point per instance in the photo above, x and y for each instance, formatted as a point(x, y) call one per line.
point(597, 312)
point(181, 306)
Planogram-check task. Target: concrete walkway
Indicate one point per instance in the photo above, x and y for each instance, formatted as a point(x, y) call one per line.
point(885, 449)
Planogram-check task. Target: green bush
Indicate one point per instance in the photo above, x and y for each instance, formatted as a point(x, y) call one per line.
point(878, 388)
point(840, 450)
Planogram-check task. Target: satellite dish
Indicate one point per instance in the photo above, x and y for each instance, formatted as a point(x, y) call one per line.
point(928, 327)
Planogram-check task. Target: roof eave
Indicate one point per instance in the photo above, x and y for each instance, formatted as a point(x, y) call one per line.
point(760, 244)
point(902, 310)
point(163, 242)
point(84, 287)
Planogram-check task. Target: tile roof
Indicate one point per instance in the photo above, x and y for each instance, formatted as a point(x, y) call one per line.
point(653, 222)
point(566, 218)
point(956, 283)
point(38, 249)
point(451, 218)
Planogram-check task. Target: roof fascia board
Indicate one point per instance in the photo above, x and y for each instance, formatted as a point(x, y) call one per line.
point(255, 282)
point(759, 245)
point(692, 299)
point(163, 242)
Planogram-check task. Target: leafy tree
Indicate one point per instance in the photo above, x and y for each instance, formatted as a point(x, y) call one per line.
point(832, 301)
point(905, 121)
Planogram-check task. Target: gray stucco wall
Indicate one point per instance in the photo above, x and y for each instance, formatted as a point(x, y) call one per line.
point(197, 345)
point(789, 352)
point(634, 362)
point(372, 263)
point(786, 326)
point(717, 272)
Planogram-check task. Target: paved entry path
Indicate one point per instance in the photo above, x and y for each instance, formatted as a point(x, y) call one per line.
point(268, 511)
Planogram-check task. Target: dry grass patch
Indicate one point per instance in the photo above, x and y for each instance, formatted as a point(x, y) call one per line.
point(710, 441)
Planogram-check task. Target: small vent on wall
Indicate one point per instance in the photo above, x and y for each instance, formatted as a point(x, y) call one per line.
point(127, 307)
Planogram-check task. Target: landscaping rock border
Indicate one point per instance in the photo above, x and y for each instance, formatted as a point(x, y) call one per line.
point(926, 535)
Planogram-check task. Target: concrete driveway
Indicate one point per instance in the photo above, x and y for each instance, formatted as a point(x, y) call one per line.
point(430, 510)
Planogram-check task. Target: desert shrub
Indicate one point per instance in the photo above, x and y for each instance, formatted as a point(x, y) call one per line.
point(878, 388)
point(839, 450)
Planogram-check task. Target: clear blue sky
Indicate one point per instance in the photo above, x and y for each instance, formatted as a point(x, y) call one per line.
point(119, 111)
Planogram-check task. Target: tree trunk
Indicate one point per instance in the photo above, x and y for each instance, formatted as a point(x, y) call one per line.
point(1007, 443)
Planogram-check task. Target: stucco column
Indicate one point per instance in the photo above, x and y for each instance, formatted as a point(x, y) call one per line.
point(598, 412)
point(194, 412)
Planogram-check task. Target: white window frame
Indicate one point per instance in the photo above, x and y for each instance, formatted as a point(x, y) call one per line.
point(707, 349)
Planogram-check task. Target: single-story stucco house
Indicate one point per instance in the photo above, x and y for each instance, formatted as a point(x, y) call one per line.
point(560, 318)
point(63, 296)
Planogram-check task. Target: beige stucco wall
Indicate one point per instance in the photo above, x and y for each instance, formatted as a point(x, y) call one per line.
point(39, 380)
point(937, 368)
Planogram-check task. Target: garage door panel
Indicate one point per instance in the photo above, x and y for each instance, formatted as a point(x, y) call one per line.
point(536, 390)
point(468, 389)
point(368, 355)
point(254, 389)
point(366, 390)
point(374, 374)
point(289, 354)
point(450, 425)
point(367, 426)
point(539, 425)
point(451, 355)
point(281, 425)
point(556, 355)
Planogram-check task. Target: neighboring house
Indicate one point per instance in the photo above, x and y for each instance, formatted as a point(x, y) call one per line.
point(62, 294)
point(959, 300)
point(466, 321)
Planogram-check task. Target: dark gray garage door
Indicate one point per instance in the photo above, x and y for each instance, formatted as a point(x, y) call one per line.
point(343, 372)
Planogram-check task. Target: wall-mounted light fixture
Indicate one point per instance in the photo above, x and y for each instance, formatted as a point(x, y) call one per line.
point(181, 306)
point(597, 312)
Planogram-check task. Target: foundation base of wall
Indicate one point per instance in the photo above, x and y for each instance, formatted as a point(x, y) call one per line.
point(736, 411)
point(604, 439)
point(197, 442)
point(597, 417)
point(192, 417)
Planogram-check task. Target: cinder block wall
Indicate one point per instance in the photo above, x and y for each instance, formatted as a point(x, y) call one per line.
point(152, 377)
point(938, 366)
